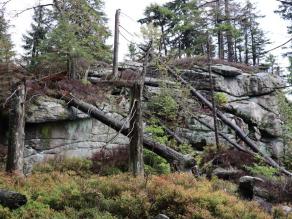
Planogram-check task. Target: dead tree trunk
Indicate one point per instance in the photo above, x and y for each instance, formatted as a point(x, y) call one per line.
point(136, 163)
point(184, 162)
point(16, 130)
point(241, 134)
point(234, 144)
point(116, 44)
point(214, 108)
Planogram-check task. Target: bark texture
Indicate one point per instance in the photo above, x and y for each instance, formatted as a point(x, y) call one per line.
point(16, 130)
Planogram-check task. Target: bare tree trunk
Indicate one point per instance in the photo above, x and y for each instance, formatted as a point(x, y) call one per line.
point(16, 130)
point(116, 44)
point(219, 32)
point(229, 33)
point(253, 48)
point(72, 67)
point(163, 40)
point(136, 163)
point(246, 46)
point(214, 109)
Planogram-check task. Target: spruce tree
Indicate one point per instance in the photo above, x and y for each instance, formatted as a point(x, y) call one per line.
point(182, 27)
point(6, 46)
point(80, 33)
point(41, 25)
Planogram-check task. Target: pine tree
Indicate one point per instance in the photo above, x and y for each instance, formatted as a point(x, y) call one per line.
point(80, 33)
point(254, 37)
point(159, 16)
point(6, 46)
point(41, 25)
point(229, 31)
point(183, 29)
point(285, 10)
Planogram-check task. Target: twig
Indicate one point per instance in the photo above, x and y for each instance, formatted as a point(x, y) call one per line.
point(32, 8)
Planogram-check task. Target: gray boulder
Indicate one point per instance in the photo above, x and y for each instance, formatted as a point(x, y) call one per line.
point(238, 86)
point(46, 109)
point(226, 70)
point(246, 186)
point(255, 114)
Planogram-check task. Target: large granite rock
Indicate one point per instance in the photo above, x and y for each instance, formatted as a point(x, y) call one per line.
point(53, 130)
point(46, 109)
point(78, 138)
point(252, 112)
point(226, 70)
point(200, 136)
point(239, 86)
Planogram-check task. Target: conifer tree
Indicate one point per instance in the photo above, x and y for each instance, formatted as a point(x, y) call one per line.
point(181, 25)
point(80, 33)
point(6, 46)
point(41, 25)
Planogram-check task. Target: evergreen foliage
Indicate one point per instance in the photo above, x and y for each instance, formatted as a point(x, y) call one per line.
point(72, 31)
point(6, 46)
point(41, 25)
point(186, 25)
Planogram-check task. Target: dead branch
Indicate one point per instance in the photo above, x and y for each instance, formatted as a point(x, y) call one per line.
point(32, 8)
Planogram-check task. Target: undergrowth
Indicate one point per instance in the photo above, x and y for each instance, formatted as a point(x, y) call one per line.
point(69, 194)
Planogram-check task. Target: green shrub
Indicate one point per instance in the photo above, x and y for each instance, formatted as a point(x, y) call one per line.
point(262, 170)
point(220, 98)
point(157, 133)
point(155, 164)
point(35, 209)
point(61, 195)
point(164, 105)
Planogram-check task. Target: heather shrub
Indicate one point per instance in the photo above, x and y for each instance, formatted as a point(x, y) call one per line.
point(66, 194)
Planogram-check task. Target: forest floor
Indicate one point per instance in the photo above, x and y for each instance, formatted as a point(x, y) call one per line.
point(71, 189)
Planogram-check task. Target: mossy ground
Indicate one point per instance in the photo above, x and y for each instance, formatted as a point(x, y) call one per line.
point(72, 191)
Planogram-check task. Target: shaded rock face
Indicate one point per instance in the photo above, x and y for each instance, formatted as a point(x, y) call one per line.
point(53, 130)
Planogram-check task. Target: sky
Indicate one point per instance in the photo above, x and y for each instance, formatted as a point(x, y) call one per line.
point(132, 10)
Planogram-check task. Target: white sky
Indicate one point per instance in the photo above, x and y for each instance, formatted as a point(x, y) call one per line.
point(272, 23)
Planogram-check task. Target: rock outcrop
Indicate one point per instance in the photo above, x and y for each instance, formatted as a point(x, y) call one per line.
point(251, 97)
point(53, 129)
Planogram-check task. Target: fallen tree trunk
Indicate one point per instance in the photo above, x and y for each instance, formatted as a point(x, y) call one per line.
point(183, 162)
point(12, 199)
point(240, 133)
point(172, 134)
point(234, 144)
